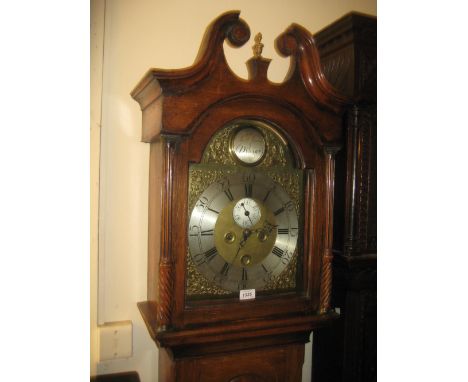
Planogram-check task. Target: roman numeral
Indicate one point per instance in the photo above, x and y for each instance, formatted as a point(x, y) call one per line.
point(277, 212)
point(229, 194)
point(208, 232)
point(202, 202)
point(248, 189)
point(278, 252)
point(289, 205)
point(267, 195)
point(281, 231)
point(211, 254)
point(244, 274)
point(225, 269)
point(212, 210)
point(264, 268)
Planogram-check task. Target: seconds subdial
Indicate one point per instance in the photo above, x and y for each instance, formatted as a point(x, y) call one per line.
point(246, 213)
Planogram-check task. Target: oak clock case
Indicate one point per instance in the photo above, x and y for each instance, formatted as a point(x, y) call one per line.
point(243, 231)
point(240, 198)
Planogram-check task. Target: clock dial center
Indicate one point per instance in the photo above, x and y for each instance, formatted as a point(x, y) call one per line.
point(241, 232)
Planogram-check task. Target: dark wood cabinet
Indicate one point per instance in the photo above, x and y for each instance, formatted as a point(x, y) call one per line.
point(348, 350)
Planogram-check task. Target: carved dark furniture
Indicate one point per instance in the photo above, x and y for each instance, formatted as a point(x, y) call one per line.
point(348, 350)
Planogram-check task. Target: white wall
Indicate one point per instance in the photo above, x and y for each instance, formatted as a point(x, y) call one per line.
point(138, 35)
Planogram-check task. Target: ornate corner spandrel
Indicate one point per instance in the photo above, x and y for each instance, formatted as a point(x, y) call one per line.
point(297, 42)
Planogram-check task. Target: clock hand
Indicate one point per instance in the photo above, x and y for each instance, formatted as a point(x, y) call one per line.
point(241, 244)
point(246, 213)
point(266, 227)
point(245, 235)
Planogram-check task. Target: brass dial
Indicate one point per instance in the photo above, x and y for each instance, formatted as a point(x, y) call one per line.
point(243, 231)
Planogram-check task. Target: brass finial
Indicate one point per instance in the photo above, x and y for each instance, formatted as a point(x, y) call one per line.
point(258, 47)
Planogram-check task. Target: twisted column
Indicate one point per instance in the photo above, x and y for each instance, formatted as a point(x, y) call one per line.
point(166, 262)
point(327, 257)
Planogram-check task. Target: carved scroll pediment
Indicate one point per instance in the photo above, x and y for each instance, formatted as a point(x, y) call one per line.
point(210, 80)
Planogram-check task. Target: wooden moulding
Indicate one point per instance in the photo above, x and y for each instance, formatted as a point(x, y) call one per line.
point(210, 338)
point(298, 43)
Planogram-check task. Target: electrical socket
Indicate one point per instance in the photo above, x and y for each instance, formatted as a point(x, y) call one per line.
point(115, 340)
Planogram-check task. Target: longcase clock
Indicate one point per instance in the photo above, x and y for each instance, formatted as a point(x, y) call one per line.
point(240, 209)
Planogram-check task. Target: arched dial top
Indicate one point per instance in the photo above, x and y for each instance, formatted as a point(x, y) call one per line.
point(243, 231)
point(248, 142)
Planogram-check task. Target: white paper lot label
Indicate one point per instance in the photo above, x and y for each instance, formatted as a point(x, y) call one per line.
point(247, 294)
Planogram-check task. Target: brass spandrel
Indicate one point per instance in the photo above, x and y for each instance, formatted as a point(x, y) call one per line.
point(217, 151)
point(198, 285)
point(287, 279)
point(290, 180)
point(200, 177)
